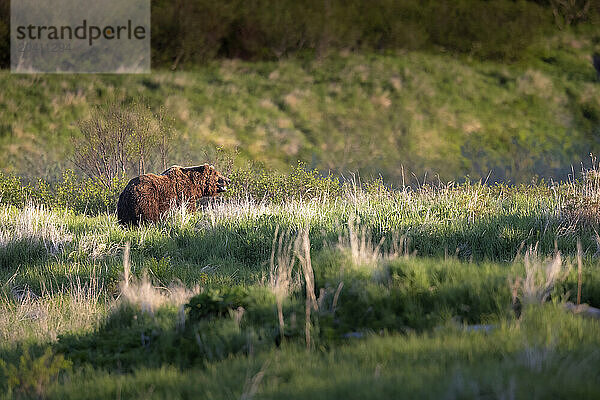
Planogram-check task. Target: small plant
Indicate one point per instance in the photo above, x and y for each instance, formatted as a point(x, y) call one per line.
point(567, 12)
point(541, 276)
point(32, 375)
point(216, 303)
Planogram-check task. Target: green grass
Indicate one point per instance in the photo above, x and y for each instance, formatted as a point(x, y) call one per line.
point(549, 354)
point(414, 297)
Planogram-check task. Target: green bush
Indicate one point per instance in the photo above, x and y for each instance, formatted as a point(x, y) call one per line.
point(13, 191)
point(130, 336)
point(133, 337)
point(409, 294)
point(300, 183)
point(216, 303)
point(33, 374)
point(82, 195)
point(87, 196)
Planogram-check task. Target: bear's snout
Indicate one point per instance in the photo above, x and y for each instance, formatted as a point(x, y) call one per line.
point(222, 183)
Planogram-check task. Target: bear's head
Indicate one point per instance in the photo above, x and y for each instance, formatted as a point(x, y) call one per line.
point(209, 181)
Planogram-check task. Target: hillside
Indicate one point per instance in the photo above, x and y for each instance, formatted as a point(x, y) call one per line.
point(379, 114)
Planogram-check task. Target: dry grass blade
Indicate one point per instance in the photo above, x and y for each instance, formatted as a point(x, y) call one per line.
point(541, 275)
point(280, 274)
point(336, 296)
point(144, 294)
point(126, 265)
point(579, 271)
point(362, 249)
point(284, 253)
point(302, 247)
point(252, 385)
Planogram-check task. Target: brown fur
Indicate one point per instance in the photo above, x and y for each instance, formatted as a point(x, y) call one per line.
point(149, 196)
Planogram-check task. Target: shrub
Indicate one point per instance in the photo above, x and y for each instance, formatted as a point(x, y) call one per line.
point(86, 196)
point(82, 195)
point(216, 303)
point(13, 191)
point(32, 375)
point(300, 183)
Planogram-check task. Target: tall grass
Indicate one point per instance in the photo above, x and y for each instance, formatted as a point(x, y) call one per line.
point(31, 233)
point(281, 278)
point(470, 221)
point(35, 225)
point(541, 276)
point(75, 307)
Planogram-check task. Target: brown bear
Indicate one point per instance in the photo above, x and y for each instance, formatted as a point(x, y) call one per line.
point(148, 196)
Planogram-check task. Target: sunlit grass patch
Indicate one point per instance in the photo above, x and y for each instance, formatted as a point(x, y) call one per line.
point(31, 232)
point(54, 310)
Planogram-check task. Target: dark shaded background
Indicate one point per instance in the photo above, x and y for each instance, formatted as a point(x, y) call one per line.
point(188, 32)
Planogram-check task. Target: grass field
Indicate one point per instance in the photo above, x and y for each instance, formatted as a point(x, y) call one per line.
point(367, 292)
